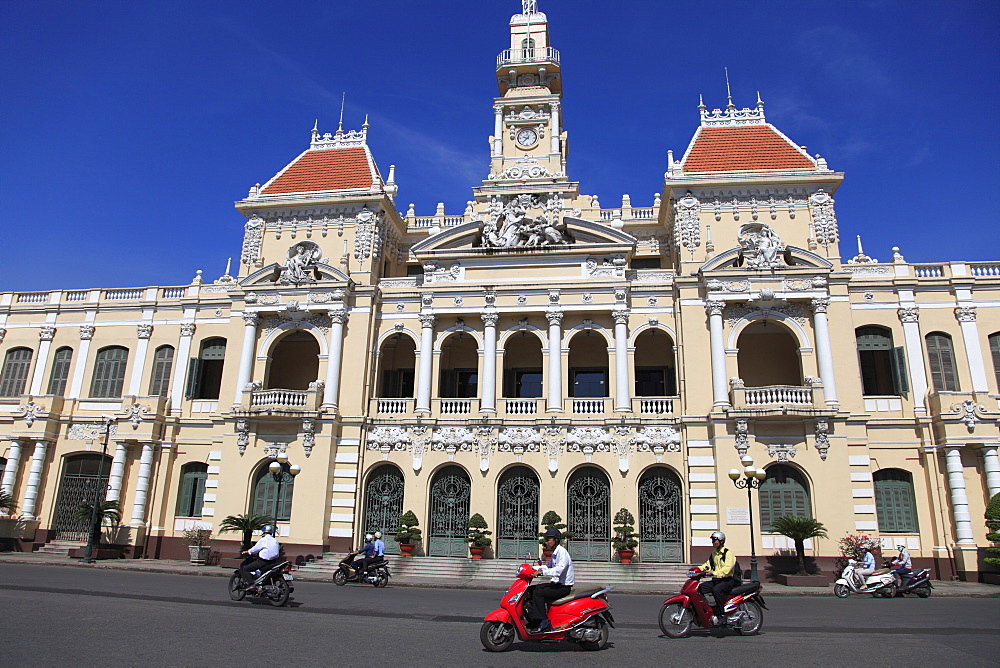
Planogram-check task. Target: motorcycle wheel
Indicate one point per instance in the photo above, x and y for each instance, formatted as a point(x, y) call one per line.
point(841, 591)
point(922, 592)
point(339, 578)
point(235, 592)
point(496, 636)
point(753, 618)
point(604, 633)
point(888, 591)
point(381, 578)
point(278, 593)
point(682, 626)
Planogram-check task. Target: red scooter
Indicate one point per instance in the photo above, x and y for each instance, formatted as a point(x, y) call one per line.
point(583, 617)
point(742, 611)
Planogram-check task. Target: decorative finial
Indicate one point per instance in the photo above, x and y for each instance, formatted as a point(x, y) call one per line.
point(701, 102)
point(729, 93)
point(529, 6)
point(340, 125)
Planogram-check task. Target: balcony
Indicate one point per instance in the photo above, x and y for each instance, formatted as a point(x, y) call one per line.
point(521, 56)
point(282, 401)
point(779, 399)
point(654, 405)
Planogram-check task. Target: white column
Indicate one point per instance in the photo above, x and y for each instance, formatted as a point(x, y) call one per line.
point(117, 471)
point(179, 373)
point(991, 466)
point(45, 336)
point(143, 331)
point(623, 398)
point(909, 316)
point(13, 462)
point(720, 386)
point(334, 360)
point(34, 480)
point(80, 365)
point(824, 351)
point(488, 402)
point(250, 321)
point(498, 130)
point(555, 398)
point(959, 500)
point(142, 485)
point(554, 106)
point(426, 362)
point(966, 316)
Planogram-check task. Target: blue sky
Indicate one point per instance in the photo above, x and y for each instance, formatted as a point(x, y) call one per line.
point(128, 129)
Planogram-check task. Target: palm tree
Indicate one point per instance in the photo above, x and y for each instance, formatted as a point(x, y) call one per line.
point(7, 504)
point(247, 524)
point(799, 529)
point(107, 511)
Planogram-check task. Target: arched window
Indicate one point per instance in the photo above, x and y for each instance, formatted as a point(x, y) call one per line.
point(397, 360)
point(784, 492)
point(272, 494)
point(895, 504)
point(191, 496)
point(60, 371)
point(944, 375)
point(882, 368)
point(109, 372)
point(205, 371)
point(588, 365)
point(768, 355)
point(15, 372)
point(163, 362)
point(459, 367)
point(995, 351)
point(3, 467)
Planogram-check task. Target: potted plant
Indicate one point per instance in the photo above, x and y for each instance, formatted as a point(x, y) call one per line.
point(408, 535)
point(624, 540)
point(198, 547)
point(799, 529)
point(478, 537)
point(551, 520)
point(247, 524)
point(992, 516)
point(107, 511)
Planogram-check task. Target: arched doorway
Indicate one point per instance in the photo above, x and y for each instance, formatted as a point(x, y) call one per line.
point(384, 504)
point(397, 361)
point(449, 513)
point(294, 362)
point(588, 365)
point(83, 476)
point(459, 367)
point(661, 525)
point(588, 503)
point(655, 368)
point(768, 355)
point(517, 514)
point(785, 491)
point(272, 493)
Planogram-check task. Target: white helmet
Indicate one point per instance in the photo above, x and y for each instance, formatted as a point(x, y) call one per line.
point(378, 535)
point(369, 538)
point(719, 536)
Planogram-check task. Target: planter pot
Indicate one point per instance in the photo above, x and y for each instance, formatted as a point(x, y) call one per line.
point(546, 553)
point(476, 552)
point(406, 549)
point(199, 553)
point(626, 556)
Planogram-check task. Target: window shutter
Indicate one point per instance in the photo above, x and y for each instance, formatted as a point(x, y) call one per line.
point(942, 363)
point(184, 501)
point(995, 351)
point(15, 372)
point(194, 371)
point(198, 502)
point(900, 378)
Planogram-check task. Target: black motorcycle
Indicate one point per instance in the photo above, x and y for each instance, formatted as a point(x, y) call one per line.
point(377, 573)
point(274, 584)
point(918, 583)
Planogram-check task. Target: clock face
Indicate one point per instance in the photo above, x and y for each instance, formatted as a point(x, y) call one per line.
point(527, 137)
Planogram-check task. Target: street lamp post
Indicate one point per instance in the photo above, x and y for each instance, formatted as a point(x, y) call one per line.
point(88, 554)
point(751, 479)
point(276, 468)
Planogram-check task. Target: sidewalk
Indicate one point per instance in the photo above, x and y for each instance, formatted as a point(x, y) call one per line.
point(179, 567)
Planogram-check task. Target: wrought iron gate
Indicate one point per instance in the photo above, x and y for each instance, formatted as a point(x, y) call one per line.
point(449, 516)
point(517, 517)
point(588, 499)
point(661, 527)
point(384, 505)
point(79, 483)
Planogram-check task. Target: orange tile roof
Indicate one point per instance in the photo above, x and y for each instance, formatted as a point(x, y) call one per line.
point(324, 170)
point(730, 149)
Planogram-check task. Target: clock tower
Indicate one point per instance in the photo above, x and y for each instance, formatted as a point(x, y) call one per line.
point(528, 148)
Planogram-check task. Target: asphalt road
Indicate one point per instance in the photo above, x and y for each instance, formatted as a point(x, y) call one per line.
point(59, 615)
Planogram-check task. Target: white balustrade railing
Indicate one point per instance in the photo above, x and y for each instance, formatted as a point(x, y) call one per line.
point(173, 293)
point(32, 297)
point(76, 296)
point(588, 406)
point(928, 270)
point(985, 269)
point(292, 398)
point(645, 213)
point(656, 405)
point(393, 406)
point(532, 55)
point(522, 406)
point(778, 394)
point(456, 406)
point(123, 294)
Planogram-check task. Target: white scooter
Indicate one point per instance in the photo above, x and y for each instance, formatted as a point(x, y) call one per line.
point(880, 583)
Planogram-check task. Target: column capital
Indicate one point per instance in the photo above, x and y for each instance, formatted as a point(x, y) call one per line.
point(497, 108)
point(250, 319)
point(820, 304)
point(46, 333)
point(554, 317)
point(965, 313)
point(427, 319)
point(490, 319)
point(3, 333)
point(620, 316)
point(713, 307)
point(86, 332)
point(187, 329)
point(554, 105)
point(908, 314)
point(338, 316)
point(144, 331)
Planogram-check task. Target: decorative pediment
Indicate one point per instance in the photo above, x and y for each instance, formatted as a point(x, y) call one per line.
point(272, 274)
point(792, 256)
point(586, 237)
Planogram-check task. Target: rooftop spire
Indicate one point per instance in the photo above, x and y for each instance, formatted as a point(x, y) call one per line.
point(529, 6)
point(729, 92)
point(340, 125)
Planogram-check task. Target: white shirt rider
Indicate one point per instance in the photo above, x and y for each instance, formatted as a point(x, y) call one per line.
point(266, 548)
point(559, 567)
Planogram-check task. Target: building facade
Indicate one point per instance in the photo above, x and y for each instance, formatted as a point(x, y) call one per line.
point(538, 352)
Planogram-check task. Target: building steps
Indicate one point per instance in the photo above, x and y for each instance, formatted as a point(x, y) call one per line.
point(61, 547)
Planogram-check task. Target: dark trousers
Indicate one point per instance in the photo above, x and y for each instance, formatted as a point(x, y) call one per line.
point(719, 588)
point(363, 564)
point(255, 565)
point(537, 607)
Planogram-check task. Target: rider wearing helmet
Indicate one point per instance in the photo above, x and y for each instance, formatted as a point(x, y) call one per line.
point(379, 546)
point(364, 554)
point(902, 565)
point(560, 568)
point(266, 551)
point(720, 566)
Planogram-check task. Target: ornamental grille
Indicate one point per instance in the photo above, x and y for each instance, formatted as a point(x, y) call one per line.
point(449, 517)
point(588, 499)
point(517, 519)
point(83, 477)
point(384, 505)
point(661, 527)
